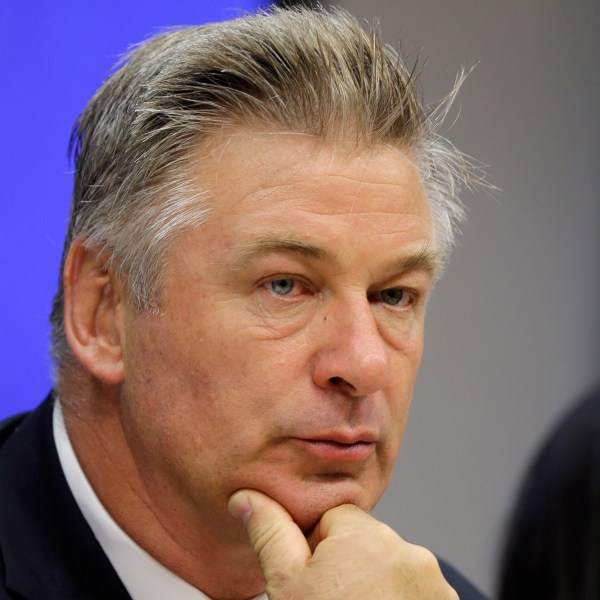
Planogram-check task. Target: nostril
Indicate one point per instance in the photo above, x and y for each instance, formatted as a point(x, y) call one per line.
point(341, 385)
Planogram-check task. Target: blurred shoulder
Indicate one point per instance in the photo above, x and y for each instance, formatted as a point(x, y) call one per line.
point(465, 589)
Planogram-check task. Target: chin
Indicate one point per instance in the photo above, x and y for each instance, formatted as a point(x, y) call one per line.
point(310, 501)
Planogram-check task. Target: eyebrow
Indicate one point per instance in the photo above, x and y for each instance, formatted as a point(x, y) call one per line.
point(425, 259)
point(284, 245)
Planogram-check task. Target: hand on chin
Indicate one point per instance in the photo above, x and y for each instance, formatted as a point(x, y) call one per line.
point(307, 502)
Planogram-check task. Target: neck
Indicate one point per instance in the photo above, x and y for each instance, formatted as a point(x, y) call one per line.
point(210, 552)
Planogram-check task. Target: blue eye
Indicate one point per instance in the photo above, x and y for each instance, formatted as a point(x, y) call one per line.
point(395, 296)
point(281, 287)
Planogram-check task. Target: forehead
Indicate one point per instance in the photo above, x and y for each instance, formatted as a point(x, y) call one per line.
point(243, 162)
point(357, 210)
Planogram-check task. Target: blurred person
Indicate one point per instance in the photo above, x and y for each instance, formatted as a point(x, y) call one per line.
point(261, 209)
point(552, 549)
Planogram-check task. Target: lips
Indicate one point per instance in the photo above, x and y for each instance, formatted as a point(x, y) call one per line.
point(338, 447)
point(345, 437)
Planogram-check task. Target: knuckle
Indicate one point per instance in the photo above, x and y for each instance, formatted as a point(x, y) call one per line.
point(389, 535)
point(427, 559)
point(427, 567)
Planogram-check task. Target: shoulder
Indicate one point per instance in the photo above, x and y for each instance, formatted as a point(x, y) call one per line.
point(9, 425)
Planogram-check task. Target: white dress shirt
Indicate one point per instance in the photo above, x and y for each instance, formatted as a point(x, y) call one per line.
point(142, 575)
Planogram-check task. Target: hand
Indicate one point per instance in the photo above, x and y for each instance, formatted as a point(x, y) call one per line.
point(355, 556)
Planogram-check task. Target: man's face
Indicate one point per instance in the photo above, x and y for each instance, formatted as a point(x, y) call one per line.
point(290, 333)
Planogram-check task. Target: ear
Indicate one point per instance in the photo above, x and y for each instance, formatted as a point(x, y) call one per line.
point(94, 313)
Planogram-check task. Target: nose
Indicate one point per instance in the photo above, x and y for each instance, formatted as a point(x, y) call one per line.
point(353, 357)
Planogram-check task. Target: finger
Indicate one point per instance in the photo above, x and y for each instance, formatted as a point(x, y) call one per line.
point(340, 518)
point(415, 569)
point(278, 542)
point(343, 519)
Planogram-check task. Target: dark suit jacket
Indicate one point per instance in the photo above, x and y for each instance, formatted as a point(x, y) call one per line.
point(47, 550)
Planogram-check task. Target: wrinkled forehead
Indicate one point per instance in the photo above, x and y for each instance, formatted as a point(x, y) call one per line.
point(246, 158)
point(295, 192)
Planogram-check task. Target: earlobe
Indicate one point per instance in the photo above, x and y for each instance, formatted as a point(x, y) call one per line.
point(93, 313)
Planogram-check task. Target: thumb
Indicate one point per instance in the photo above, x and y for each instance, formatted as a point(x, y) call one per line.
point(278, 542)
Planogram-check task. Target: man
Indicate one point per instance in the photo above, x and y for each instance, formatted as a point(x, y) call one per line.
point(261, 209)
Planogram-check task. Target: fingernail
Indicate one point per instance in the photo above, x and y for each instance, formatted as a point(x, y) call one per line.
point(240, 507)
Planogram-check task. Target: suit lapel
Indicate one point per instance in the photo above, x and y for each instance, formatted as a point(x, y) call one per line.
point(49, 551)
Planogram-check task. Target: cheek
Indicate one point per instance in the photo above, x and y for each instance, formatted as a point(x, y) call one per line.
point(196, 391)
point(400, 420)
point(400, 401)
point(410, 354)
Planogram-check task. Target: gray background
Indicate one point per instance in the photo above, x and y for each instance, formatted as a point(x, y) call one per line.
point(513, 332)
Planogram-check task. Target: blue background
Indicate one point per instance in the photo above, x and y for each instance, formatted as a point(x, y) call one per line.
point(53, 56)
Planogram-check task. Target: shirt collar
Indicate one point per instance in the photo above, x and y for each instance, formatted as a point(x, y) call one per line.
point(142, 575)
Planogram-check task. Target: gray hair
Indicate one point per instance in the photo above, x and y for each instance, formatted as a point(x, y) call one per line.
point(307, 71)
